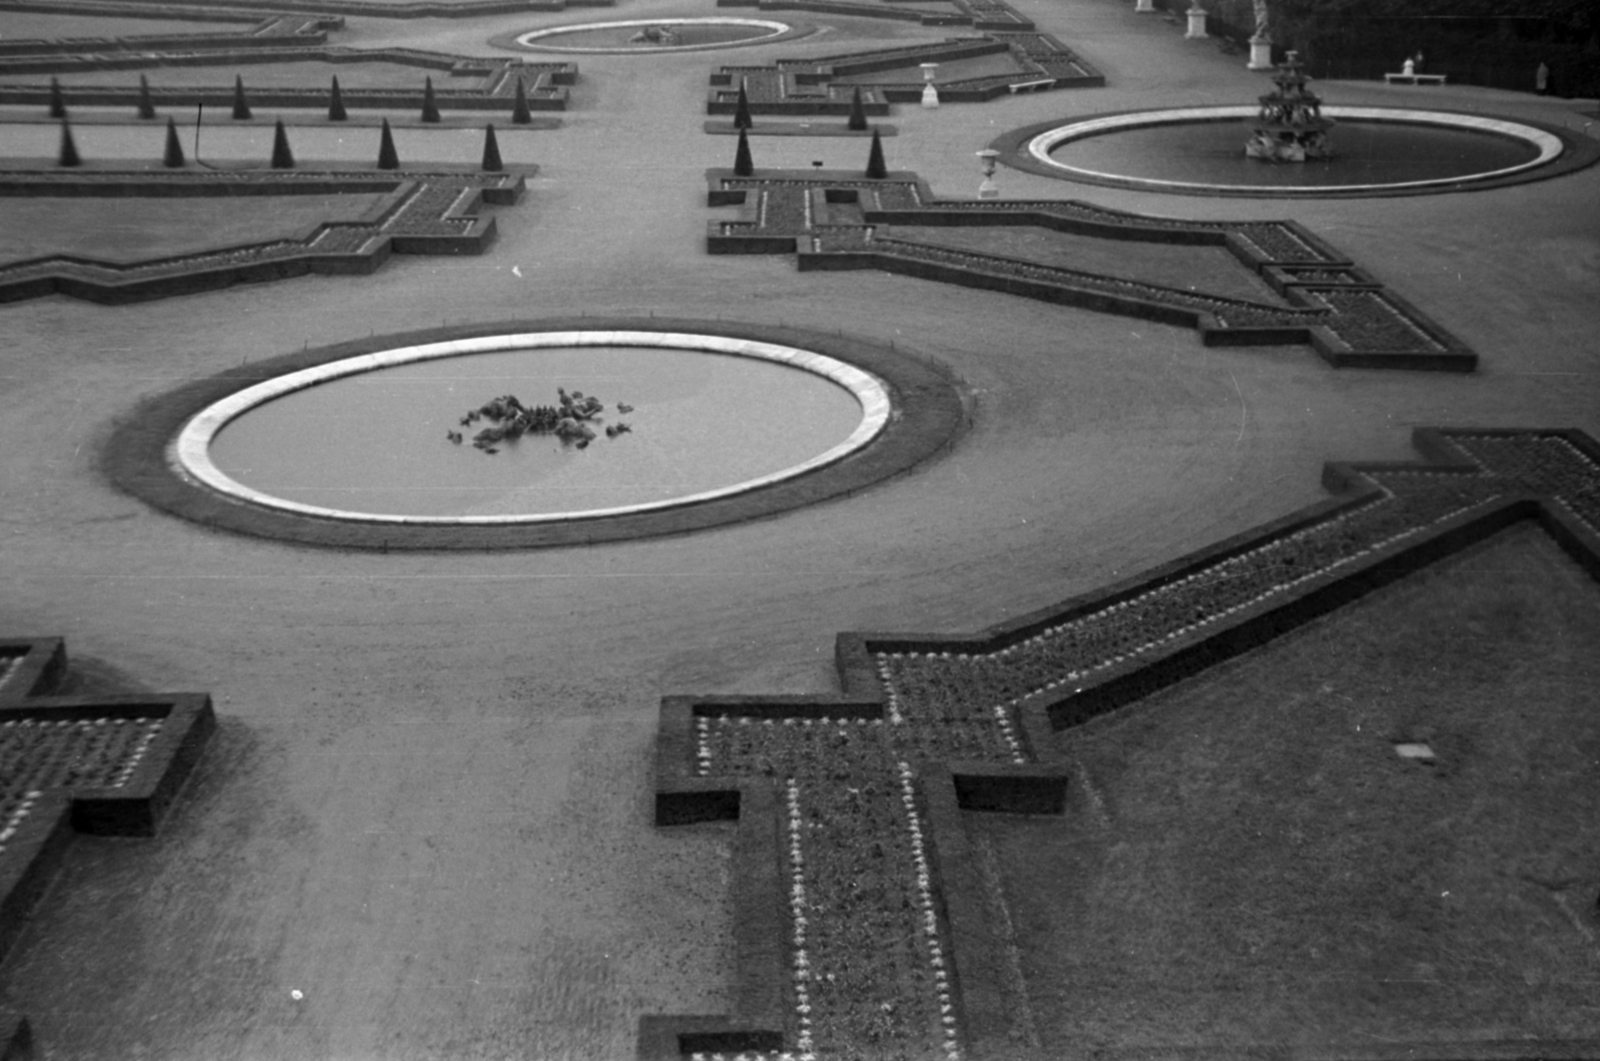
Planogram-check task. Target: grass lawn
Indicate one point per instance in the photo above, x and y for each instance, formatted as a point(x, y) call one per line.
point(124, 229)
point(1209, 269)
point(25, 25)
point(263, 75)
point(1257, 865)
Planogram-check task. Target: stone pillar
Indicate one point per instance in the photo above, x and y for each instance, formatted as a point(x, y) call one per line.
point(1145, 7)
point(930, 95)
point(1260, 54)
point(1197, 23)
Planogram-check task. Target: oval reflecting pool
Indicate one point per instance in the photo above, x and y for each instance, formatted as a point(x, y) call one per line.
point(654, 35)
point(1375, 149)
point(368, 437)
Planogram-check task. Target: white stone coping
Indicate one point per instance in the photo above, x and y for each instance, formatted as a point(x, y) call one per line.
point(1040, 146)
point(189, 454)
point(536, 39)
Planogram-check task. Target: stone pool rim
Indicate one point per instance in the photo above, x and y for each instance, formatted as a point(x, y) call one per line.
point(1018, 149)
point(784, 31)
point(926, 410)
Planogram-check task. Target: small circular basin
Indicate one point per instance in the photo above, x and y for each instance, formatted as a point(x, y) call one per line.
point(367, 438)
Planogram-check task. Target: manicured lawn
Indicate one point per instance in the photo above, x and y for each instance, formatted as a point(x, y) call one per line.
point(134, 229)
point(24, 25)
point(1209, 269)
point(1263, 867)
point(264, 75)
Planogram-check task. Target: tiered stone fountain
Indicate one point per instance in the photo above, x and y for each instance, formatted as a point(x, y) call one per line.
point(1290, 126)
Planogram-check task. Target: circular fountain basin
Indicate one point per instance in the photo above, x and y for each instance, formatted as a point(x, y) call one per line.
point(689, 33)
point(1378, 150)
point(364, 438)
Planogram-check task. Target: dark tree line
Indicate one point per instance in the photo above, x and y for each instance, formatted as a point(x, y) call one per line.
point(1487, 42)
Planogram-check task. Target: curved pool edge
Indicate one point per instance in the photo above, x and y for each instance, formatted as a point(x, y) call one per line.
point(519, 40)
point(1016, 148)
point(190, 451)
point(927, 413)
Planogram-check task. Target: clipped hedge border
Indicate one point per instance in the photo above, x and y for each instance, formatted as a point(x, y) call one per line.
point(800, 87)
point(135, 807)
point(1343, 313)
point(930, 404)
point(333, 248)
point(180, 9)
point(1570, 514)
point(545, 85)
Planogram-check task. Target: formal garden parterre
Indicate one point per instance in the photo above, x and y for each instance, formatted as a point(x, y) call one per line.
point(107, 765)
point(422, 213)
point(845, 221)
point(865, 925)
point(993, 65)
point(889, 947)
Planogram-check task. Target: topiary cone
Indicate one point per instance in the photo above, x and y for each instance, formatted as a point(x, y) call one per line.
point(58, 104)
point(430, 108)
point(173, 158)
point(336, 111)
point(147, 106)
point(858, 112)
point(69, 150)
point(491, 151)
point(241, 109)
point(875, 167)
point(519, 110)
point(282, 157)
point(741, 111)
point(742, 164)
point(387, 157)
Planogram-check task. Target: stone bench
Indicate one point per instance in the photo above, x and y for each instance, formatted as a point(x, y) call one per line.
point(1414, 79)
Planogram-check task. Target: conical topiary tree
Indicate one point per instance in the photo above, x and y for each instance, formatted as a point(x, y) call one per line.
point(741, 110)
point(173, 158)
point(68, 155)
point(58, 103)
point(387, 157)
point(875, 167)
point(858, 112)
point(336, 111)
point(743, 166)
point(430, 107)
point(147, 106)
point(282, 157)
point(491, 151)
point(241, 109)
point(520, 115)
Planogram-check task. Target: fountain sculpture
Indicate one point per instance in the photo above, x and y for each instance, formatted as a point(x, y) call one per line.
point(1290, 127)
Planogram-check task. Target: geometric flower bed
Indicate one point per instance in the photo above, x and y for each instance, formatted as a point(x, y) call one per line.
point(259, 32)
point(1021, 62)
point(544, 84)
point(426, 213)
point(982, 15)
point(835, 220)
point(862, 925)
point(104, 765)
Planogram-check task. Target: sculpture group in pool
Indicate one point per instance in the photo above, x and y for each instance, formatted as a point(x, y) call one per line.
point(510, 420)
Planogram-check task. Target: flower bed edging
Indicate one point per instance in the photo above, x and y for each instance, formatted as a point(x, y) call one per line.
point(837, 220)
point(141, 748)
point(1392, 519)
